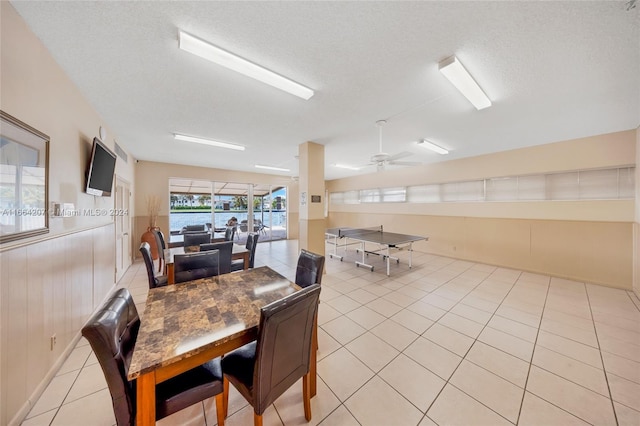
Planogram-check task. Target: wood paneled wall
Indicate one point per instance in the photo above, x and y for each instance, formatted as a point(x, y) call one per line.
point(46, 288)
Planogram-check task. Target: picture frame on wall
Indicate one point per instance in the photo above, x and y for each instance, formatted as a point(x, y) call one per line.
point(24, 180)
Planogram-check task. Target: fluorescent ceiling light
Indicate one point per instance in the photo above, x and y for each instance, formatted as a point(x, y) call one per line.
point(280, 169)
point(344, 166)
point(432, 146)
point(460, 77)
point(211, 142)
point(199, 47)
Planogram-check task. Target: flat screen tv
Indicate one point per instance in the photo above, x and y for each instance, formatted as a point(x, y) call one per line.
point(102, 165)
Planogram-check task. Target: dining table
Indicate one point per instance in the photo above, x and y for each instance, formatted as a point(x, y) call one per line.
point(187, 324)
point(238, 252)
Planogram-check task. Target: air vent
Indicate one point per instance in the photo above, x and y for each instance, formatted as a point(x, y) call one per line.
point(121, 152)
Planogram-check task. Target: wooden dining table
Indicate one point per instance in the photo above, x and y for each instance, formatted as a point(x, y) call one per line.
point(187, 324)
point(238, 252)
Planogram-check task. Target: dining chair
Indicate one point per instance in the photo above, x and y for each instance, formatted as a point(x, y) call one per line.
point(154, 280)
point(309, 269)
point(193, 266)
point(229, 233)
point(161, 244)
point(226, 251)
point(196, 239)
point(265, 368)
point(194, 228)
point(252, 242)
point(112, 332)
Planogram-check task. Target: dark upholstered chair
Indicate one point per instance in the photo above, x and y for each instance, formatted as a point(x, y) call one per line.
point(263, 370)
point(226, 250)
point(196, 239)
point(161, 244)
point(194, 228)
point(309, 271)
point(243, 227)
point(112, 333)
point(230, 233)
point(252, 242)
point(193, 266)
point(154, 280)
point(310, 268)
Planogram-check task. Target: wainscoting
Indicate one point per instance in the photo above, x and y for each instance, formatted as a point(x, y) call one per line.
point(581, 250)
point(47, 288)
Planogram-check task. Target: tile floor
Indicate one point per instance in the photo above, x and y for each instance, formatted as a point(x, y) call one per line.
point(447, 342)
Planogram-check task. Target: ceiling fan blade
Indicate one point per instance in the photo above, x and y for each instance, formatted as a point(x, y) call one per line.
point(399, 155)
point(405, 163)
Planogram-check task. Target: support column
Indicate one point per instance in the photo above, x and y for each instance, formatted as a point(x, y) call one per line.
point(312, 221)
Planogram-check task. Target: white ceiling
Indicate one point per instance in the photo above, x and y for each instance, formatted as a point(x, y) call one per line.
point(554, 71)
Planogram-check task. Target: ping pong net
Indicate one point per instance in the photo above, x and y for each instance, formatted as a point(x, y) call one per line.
point(356, 232)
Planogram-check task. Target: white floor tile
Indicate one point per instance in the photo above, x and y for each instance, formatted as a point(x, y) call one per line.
point(454, 407)
point(417, 384)
point(377, 403)
point(344, 373)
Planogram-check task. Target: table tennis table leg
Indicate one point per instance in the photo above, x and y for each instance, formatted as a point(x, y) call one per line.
point(388, 258)
point(410, 253)
point(364, 251)
point(335, 249)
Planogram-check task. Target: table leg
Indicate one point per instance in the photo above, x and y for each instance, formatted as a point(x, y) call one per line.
point(245, 257)
point(146, 400)
point(170, 274)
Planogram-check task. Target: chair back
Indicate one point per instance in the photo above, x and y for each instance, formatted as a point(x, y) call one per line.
point(283, 349)
point(112, 333)
point(160, 243)
point(196, 239)
point(145, 250)
point(229, 233)
point(226, 251)
point(192, 228)
point(310, 268)
point(193, 266)
point(252, 242)
point(244, 226)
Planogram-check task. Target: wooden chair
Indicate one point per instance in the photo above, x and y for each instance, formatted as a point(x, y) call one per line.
point(154, 280)
point(226, 251)
point(196, 239)
point(112, 333)
point(193, 266)
point(264, 369)
point(252, 242)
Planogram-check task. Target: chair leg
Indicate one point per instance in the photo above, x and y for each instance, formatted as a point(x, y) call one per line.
point(225, 395)
point(257, 419)
point(221, 413)
point(306, 395)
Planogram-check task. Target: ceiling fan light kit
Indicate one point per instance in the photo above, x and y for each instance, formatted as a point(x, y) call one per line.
point(457, 74)
point(212, 53)
point(424, 143)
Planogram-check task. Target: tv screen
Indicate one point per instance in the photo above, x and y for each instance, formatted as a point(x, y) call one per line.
point(102, 164)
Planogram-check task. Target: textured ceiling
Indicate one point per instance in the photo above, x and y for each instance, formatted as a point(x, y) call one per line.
point(554, 71)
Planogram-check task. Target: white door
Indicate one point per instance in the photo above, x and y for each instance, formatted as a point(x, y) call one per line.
point(123, 227)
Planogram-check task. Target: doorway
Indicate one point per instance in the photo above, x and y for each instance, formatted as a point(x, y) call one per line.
point(123, 227)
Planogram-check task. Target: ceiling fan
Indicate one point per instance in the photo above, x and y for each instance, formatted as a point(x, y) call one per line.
point(382, 159)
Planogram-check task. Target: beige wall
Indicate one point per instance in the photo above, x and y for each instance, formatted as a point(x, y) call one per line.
point(153, 179)
point(50, 283)
point(588, 241)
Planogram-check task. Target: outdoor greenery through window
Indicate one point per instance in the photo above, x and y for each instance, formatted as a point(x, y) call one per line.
point(254, 207)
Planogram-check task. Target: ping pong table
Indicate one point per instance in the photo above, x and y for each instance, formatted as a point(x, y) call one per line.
point(376, 235)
